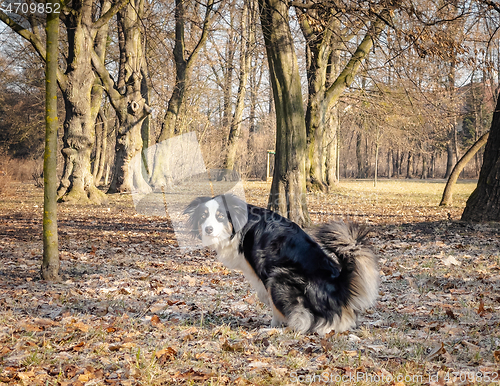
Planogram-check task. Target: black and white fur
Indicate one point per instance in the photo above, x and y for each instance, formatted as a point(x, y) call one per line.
point(314, 283)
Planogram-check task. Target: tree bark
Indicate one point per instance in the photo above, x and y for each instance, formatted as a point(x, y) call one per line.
point(101, 146)
point(360, 156)
point(484, 203)
point(50, 264)
point(448, 189)
point(288, 189)
point(409, 165)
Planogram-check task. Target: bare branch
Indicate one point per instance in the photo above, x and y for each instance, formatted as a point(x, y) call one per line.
point(104, 19)
point(35, 42)
point(109, 84)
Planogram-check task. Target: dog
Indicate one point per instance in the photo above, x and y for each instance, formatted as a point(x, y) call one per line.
point(313, 283)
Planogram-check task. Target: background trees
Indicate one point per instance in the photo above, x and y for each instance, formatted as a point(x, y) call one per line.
point(388, 89)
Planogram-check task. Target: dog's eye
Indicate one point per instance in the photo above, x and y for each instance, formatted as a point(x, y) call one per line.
point(221, 216)
point(204, 216)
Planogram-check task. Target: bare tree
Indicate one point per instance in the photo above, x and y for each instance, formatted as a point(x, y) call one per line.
point(320, 22)
point(247, 26)
point(288, 190)
point(128, 101)
point(76, 82)
point(184, 62)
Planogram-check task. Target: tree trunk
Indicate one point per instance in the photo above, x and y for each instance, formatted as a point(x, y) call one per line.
point(98, 146)
point(183, 66)
point(82, 98)
point(484, 203)
point(375, 174)
point(102, 145)
point(389, 163)
point(146, 123)
point(50, 264)
point(323, 42)
point(247, 40)
point(409, 164)
point(228, 73)
point(360, 157)
point(423, 175)
point(395, 163)
point(448, 189)
point(331, 146)
point(129, 104)
point(288, 189)
point(432, 167)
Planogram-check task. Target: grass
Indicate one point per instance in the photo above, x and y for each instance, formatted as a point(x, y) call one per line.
point(121, 272)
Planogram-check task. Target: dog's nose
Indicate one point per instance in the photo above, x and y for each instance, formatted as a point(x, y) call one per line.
point(209, 230)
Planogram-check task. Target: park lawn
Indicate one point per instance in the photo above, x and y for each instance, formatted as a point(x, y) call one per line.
point(134, 309)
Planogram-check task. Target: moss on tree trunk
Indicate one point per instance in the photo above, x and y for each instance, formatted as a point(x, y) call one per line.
point(50, 264)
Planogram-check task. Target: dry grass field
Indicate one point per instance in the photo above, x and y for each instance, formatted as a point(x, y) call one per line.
point(134, 309)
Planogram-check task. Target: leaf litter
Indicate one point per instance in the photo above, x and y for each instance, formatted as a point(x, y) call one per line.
point(134, 309)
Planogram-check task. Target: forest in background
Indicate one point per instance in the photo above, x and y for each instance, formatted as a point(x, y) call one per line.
point(423, 95)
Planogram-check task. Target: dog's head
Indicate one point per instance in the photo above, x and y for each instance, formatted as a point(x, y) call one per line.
point(216, 219)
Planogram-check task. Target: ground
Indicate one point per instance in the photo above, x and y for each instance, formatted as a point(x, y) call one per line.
point(134, 309)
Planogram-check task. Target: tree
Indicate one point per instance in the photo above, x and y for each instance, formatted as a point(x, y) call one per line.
point(447, 193)
point(247, 40)
point(76, 81)
point(288, 189)
point(484, 202)
point(184, 62)
point(321, 26)
point(50, 264)
point(127, 99)
point(101, 143)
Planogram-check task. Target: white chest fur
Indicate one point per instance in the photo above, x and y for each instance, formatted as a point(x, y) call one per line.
point(228, 254)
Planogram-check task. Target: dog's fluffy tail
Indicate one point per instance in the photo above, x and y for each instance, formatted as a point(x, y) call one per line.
point(359, 274)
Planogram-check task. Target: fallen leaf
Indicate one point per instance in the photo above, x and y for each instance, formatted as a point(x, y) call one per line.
point(81, 326)
point(4, 350)
point(31, 327)
point(70, 371)
point(86, 377)
point(450, 314)
point(194, 375)
point(155, 321)
point(258, 364)
point(24, 376)
point(451, 260)
point(226, 346)
point(436, 352)
point(115, 347)
point(78, 347)
point(166, 355)
point(480, 309)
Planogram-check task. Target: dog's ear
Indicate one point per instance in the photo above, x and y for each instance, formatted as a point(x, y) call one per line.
point(193, 205)
point(192, 222)
point(237, 209)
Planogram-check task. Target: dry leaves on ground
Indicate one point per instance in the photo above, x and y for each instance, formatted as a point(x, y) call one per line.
point(134, 309)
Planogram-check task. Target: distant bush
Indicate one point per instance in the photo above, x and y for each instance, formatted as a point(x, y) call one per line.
point(21, 170)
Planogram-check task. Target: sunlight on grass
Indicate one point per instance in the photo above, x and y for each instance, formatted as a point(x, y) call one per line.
point(410, 191)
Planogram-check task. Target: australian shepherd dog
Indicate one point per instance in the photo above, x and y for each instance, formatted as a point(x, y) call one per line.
point(313, 283)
